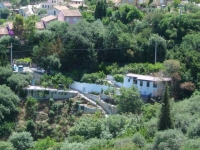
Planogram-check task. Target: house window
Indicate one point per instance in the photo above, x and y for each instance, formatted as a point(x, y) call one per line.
point(67, 19)
point(148, 83)
point(124, 1)
point(141, 83)
point(130, 1)
point(52, 1)
point(75, 19)
point(154, 84)
point(134, 81)
point(54, 12)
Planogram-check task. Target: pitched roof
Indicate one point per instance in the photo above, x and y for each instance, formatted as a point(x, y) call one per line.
point(147, 78)
point(49, 18)
point(58, 7)
point(7, 4)
point(39, 25)
point(3, 31)
point(71, 13)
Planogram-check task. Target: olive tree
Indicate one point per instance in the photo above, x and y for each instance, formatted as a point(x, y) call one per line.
point(21, 140)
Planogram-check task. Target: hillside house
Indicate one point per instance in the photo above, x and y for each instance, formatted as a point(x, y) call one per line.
point(48, 19)
point(69, 16)
point(51, 3)
point(5, 5)
point(148, 86)
point(56, 9)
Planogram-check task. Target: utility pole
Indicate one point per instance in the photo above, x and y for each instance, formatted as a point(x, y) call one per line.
point(11, 54)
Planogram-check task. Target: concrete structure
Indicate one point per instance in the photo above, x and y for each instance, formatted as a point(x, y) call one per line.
point(26, 11)
point(56, 9)
point(87, 87)
point(69, 16)
point(48, 19)
point(5, 5)
point(42, 93)
point(88, 109)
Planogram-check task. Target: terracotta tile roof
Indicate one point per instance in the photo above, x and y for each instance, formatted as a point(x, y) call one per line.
point(71, 13)
point(7, 4)
point(49, 18)
point(58, 7)
point(3, 31)
point(39, 25)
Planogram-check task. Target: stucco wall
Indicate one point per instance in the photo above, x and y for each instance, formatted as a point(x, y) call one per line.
point(87, 87)
point(87, 109)
point(61, 16)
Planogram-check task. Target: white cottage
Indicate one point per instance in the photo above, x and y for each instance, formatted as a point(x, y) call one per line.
point(148, 86)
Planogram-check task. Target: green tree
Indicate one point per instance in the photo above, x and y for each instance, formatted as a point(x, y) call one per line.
point(21, 140)
point(44, 144)
point(8, 103)
point(58, 28)
point(156, 41)
point(165, 119)
point(18, 26)
point(19, 81)
point(5, 12)
point(31, 105)
point(129, 100)
point(5, 73)
point(42, 11)
point(169, 139)
point(6, 146)
point(29, 27)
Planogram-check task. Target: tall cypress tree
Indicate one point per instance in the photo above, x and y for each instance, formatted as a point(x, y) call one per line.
point(165, 119)
point(97, 12)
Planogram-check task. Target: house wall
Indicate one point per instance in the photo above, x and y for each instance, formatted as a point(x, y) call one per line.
point(87, 87)
point(61, 16)
point(72, 20)
point(144, 90)
point(53, 11)
point(76, 2)
point(55, 94)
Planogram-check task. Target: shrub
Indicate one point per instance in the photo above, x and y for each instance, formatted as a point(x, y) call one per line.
point(194, 130)
point(6, 146)
point(21, 140)
point(93, 77)
point(192, 144)
point(139, 140)
point(119, 78)
point(168, 139)
point(72, 146)
point(76, 138)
